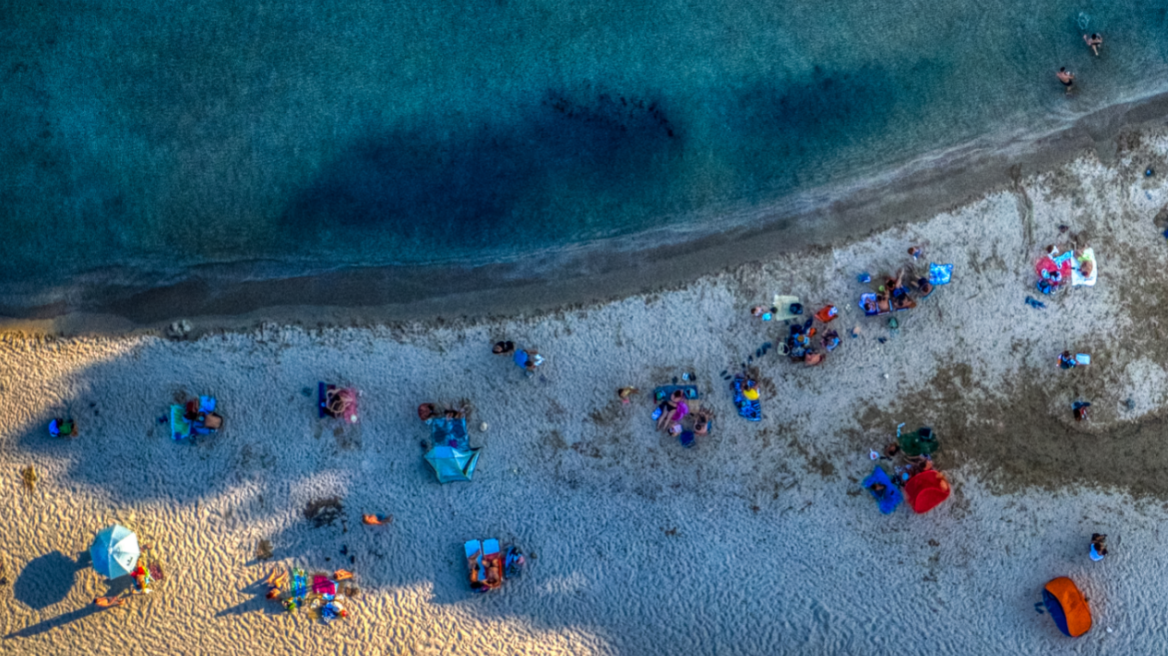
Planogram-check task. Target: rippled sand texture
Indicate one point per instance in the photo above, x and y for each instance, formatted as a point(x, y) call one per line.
point(757, 541)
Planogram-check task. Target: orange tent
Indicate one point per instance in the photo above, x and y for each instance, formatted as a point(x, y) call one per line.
point(926, 490)
point(1067, 607)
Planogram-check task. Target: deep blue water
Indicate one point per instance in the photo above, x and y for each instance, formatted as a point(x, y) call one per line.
point(159, 136)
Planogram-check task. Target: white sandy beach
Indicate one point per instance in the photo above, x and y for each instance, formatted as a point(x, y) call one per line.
point(756, 541)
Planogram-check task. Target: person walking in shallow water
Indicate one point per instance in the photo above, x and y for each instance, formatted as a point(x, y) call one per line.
point(1067, 78)
point(1093, 42)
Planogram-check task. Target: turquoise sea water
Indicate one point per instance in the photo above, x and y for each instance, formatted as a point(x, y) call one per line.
point(153, 137)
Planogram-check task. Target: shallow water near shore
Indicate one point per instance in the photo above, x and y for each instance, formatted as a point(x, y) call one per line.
point(149, 140)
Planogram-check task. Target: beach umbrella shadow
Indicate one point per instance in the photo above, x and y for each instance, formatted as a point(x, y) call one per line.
point(46, 580)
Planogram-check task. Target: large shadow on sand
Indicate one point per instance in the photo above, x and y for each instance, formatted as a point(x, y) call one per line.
point(46, 580)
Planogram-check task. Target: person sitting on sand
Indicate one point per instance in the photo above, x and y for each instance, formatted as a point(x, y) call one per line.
point(757, 311)
point(1098, 546)
point(831, 340)
point(882, 304)
point(338, 401)
point(702, 422)
point(63, 428)
point(623, 393)
point(503, 348)
point(924, 287)
point(426, 411)
point(870, 306)
point(675, 429)
point(813, 358)
point(1093, 42)
point(109, 602)
point(1066, 360)
point(892, 450)
point(377, 519)
point(1067, 78)
point(919, 464)
point(750, 390)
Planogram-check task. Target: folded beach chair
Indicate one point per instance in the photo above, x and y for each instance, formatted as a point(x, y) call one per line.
point(890, 498)
point(747, 409)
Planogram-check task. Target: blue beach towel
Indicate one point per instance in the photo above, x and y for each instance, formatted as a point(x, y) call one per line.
point(890, 498)
point(747, 409)
point(940, 274)
point(180, 428)
point(664, 392)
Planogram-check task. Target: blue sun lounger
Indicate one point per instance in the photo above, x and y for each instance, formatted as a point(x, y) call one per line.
point(890, 498)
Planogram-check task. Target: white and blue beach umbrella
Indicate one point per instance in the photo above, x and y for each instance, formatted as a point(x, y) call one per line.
point(115, 552)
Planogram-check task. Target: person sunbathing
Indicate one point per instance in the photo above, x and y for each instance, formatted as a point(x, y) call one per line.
point(879, 489)
point(427, 411)
point(503, 348)
point(882, 304)
point(623, 393)
point(376, 520)
point(109, 602)
point(870, 306)
point(670, 407)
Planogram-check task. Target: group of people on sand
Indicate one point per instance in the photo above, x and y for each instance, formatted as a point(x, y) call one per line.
point(526, 359)
point(894, 294)
point(1094, 41)
point(673, 416)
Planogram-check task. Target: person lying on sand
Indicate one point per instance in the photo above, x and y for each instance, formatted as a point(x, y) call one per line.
point(623, 393)
point(1093, 42)
point(503, 348)
point(813, 358)
point(376, 520)
point(109, 602)
point(878, 488)
point(673, 409)
point(882, 304)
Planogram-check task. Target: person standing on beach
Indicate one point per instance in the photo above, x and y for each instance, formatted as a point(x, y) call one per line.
point(1067, 78)
point(1093, 42)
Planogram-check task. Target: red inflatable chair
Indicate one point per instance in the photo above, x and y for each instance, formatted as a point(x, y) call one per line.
point(926, 491)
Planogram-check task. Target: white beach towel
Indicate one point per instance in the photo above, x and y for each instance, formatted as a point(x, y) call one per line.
point(1078, 278)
